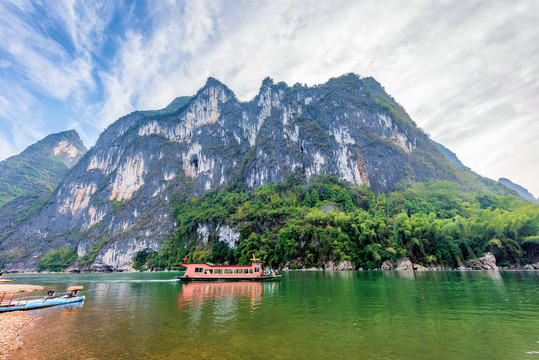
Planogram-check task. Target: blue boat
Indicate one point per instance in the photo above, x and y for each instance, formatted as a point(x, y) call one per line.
point(21, 301)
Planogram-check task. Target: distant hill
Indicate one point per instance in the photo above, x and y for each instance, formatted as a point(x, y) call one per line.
point(27, 179)
point(522, 192)
point(451, 156)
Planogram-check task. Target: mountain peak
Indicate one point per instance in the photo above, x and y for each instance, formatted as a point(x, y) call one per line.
point(211, 81)
point(44, 163)
point(267, 81)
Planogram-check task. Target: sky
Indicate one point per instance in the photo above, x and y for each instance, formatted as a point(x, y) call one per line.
point(467, 72)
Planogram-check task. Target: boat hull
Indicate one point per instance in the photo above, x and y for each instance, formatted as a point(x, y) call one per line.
point(222, 278)
point(37, 304)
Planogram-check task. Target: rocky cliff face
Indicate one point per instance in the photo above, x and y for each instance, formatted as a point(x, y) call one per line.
point(115, 201)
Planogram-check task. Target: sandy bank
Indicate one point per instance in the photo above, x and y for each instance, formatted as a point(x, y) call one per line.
point(18, 287)
point(12, 323)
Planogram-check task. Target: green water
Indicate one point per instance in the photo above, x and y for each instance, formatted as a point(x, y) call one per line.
point(306, 315)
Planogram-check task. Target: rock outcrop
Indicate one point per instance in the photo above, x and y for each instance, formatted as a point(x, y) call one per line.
point(340, 266)
point(486, 262)
point(401, 264)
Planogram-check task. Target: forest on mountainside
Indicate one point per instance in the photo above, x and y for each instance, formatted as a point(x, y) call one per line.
point(307, 223)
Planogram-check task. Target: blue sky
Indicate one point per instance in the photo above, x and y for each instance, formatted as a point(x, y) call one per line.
point(466, 71)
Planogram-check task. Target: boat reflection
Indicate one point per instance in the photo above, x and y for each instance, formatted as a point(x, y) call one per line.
point(220, 293)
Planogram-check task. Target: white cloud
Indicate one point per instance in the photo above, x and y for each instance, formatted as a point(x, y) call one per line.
point(47, 65)
point(466, 71)
point(21, 126)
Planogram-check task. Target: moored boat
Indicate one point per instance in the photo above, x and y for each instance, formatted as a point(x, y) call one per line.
point(4, 280)
point(11, 301)
point(211, 272)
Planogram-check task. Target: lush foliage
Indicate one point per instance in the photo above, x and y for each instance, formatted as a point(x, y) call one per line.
point(89, 258)
point(57, 260)
point(326, 220)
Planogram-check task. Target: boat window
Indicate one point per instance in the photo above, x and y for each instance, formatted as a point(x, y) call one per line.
point(199, 270)
point(228, 271)
point(218, 271)
point(248, 271)
point(257, 269)
point(238, 271)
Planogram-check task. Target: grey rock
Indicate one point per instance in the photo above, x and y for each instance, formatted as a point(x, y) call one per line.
point(403, 264)
point(486, 262)
point(419, 267)
point(345, 265)
point(386, 265)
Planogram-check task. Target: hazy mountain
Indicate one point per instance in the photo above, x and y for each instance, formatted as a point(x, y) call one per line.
point(522, 192)
point(451, 156)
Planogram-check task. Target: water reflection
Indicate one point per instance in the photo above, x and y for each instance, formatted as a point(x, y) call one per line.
point(220, 294)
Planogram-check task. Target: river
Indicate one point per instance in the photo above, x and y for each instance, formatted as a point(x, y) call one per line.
point(305, 315)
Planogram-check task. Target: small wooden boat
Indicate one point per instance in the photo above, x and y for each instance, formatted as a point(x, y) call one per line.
point(11, 301)
point(211, 272)
point(4, 280)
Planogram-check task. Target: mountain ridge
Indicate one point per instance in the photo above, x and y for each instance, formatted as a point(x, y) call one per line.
point(29, 178)
point(118, 199)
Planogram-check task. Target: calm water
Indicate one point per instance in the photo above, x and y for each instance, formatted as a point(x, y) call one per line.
point(306, 315)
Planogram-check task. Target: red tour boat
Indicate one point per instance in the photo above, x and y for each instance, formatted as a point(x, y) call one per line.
point(211, 272)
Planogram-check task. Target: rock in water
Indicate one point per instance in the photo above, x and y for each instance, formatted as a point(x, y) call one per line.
point(488, 261)
point(345, 265)
point(387, 265)
point(404, 264)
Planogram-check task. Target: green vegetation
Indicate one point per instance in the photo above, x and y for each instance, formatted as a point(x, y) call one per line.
point(139, 261)
point(324, 220)
point(89, 258)
point(57, 260)
point(36, 169)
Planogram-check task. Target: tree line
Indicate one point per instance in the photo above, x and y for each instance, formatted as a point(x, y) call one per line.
point(311, 222)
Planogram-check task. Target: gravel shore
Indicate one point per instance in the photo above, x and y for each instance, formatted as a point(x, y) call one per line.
point(12, 323)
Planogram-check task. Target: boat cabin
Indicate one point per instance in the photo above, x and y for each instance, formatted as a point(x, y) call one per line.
point(208, 271)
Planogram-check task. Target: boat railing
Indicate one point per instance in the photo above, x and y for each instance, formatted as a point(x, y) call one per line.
point(14, 298)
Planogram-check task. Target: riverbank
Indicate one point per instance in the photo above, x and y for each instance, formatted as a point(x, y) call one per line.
point(11, 326)
point(12, 323)
point(486, 262)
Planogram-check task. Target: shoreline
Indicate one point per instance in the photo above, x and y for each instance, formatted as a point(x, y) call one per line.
point(13, 323)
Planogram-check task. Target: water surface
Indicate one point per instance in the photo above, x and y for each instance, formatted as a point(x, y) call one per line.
point(306, 315)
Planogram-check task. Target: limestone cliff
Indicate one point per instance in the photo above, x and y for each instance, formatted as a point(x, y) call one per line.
point(116, 200)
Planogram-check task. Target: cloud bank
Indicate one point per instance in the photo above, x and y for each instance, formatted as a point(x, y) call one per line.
point(467, 72)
